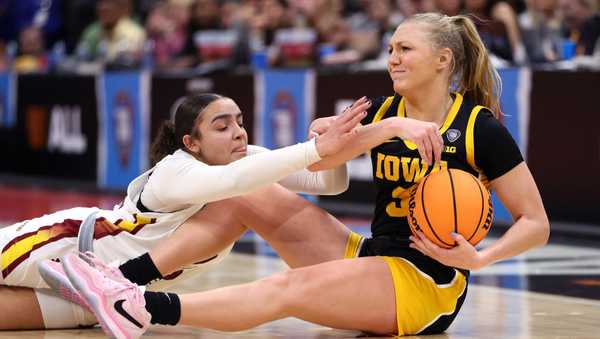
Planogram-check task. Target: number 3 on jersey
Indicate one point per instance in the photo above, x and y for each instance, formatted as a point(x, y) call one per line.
point(398, 208)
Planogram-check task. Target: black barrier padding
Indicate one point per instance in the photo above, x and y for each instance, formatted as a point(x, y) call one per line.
point(67, 102)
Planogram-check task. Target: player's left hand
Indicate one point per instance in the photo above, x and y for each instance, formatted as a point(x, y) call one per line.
point(463, 255)
point(320, 126)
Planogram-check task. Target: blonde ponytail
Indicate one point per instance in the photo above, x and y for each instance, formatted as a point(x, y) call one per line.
point(479, 77)
point(472, 69)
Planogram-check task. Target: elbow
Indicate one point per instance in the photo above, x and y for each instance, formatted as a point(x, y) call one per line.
point(337, 190)
point(339, 187)
point(545, 231)
point(344, 185)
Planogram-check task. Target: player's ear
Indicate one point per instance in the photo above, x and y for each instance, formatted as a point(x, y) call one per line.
point(444, 59)
point(191, 143)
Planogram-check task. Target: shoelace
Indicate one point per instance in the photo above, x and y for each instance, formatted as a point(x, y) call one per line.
point(118, 287)
point(116, 283)
point(112, 272)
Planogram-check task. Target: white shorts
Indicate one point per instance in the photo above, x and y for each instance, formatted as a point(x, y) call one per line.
point(60, 313)
point(24, 244)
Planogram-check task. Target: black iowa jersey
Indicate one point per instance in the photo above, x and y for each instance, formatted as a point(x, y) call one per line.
point(474, 141)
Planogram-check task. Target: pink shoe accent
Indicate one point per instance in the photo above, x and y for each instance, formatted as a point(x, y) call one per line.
point(111, 272)
point(52, 272)
point(118, 304)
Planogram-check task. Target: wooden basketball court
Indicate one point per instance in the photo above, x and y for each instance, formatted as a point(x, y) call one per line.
point(489, 312)
point(504, 300)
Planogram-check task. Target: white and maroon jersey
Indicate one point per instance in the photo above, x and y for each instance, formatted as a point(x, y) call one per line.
point(157, 203)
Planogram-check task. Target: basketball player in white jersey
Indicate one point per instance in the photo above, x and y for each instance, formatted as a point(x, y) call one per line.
point(160, 200)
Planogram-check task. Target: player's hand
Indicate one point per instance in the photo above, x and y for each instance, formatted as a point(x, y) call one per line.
point(342, 129)
point(463, 255)
point(320, 126)
point(426, 136)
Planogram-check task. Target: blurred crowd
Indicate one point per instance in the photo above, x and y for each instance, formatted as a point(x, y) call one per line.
point(209, 35)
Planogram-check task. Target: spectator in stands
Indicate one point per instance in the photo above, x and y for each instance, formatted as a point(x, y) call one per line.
point(16, 16)
point(498, 29)
point(268, 17)
point(216, 44)
point(582, 26)
point(3, 59)
point(369, 26)
point(408, 8)
point(114, 38)
point(31, 56)
point(589, 43)
point(448, 7)
point(335, 42)
point(236, 13)
point(167, 29)
point(78, 14)
point(540, 26)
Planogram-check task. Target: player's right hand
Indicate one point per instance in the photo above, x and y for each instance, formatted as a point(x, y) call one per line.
point(426, 136)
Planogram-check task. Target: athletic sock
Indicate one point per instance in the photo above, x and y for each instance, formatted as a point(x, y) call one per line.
point(140, 270)
point(165, 308)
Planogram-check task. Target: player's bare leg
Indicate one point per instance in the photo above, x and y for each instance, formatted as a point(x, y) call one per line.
point(19, 309)
point(301, 233)
point(205, 234)
point(320, 294)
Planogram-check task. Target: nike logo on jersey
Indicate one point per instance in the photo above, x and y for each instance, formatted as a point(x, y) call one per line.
point(119, 308)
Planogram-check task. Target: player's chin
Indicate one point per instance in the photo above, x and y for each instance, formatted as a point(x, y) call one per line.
point(237, 155)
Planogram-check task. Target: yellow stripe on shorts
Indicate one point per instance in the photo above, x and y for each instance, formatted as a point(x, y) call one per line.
point(352, 245)
point(419, 300)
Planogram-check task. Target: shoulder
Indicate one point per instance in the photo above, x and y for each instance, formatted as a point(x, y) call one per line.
point(473, 108)
point(485, 120)
point(173, 163)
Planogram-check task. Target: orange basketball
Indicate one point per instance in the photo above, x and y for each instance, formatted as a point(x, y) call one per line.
point(450, 201)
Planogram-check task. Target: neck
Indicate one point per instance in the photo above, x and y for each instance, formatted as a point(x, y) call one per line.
point(429, 104)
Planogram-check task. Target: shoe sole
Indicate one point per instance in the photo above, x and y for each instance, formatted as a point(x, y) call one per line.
point(93, 297)
point(60, 283)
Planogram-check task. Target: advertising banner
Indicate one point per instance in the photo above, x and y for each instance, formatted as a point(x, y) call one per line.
point(514, 103)
point(7, 100)
point(124, 133)
point(56, 127)
point(285, 107)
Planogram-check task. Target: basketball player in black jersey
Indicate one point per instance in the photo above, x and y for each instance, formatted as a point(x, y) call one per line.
point(407, 284)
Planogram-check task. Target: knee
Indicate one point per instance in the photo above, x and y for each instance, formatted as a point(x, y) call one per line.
point(288, 289)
